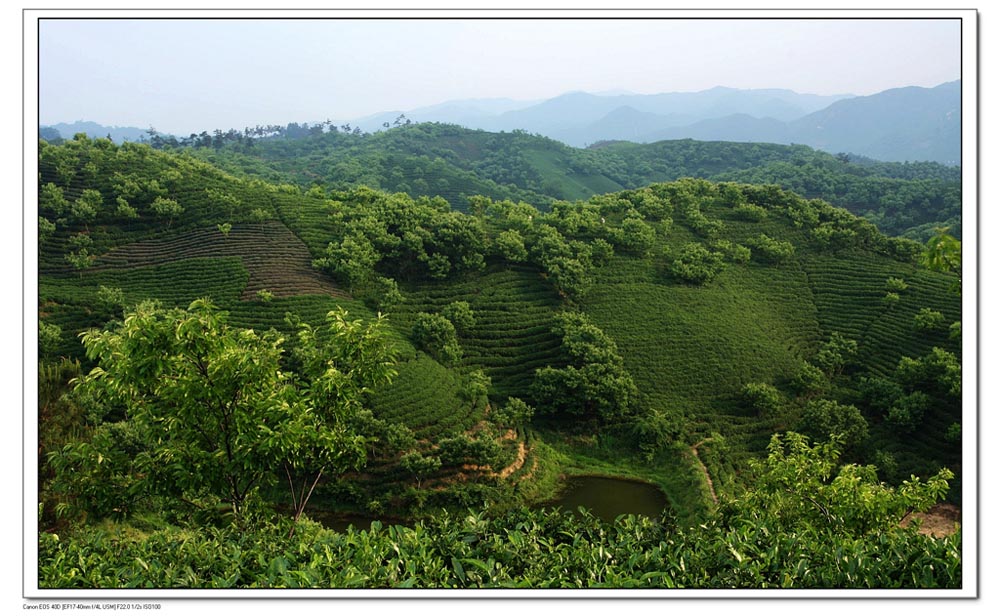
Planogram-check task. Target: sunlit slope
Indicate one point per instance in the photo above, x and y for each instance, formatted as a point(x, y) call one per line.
point(512, 335)
point(691, 348)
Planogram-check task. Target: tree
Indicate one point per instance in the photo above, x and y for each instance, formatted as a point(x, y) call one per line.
point(435, 334)
point(111, 299)
point(822, 419)
point(460, 314)
point(836, 353)
point(928, 320)
point(802, 489)
point(49, 337)
point(45, 228)
point(51, 201)
point(510, 244)
point(595, 384)
point(338, 366)
point(166, 208)
point(420, 466)
point(761, 398)
point(696, 264)
point(942, 252)
point(217, 413)
point(86, 207)
point(224, 228)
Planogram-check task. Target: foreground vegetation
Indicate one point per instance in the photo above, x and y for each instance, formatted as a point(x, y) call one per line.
point(803, 524)
point(222, 358)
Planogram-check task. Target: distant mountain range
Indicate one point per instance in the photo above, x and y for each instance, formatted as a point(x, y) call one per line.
point(118, 134)
point(902, 124)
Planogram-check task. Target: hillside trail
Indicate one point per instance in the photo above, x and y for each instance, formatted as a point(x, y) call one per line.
point(704, 469)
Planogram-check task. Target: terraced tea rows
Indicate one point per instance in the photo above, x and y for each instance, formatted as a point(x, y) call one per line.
point(512, 336)
point(426, 397)
point(274, 257)
point(849, 296)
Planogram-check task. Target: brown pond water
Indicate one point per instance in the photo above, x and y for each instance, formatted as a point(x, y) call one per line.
point(608, 497)
point(605, 497)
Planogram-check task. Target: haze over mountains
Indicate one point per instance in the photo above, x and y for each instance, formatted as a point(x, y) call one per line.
point(901, 124)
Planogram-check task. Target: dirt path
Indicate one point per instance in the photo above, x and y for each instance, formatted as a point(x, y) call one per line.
point(704, 469)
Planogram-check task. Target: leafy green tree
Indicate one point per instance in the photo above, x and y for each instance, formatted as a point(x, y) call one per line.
point(897, 285)
point(654, 430)
point(475, 386)
point(420, 466)
point(205, 398)
point(637, 236)
point(907, 412)
point(836, 353)
point(938, 371)
point(762, 398)
point(111, 299)
point(51, 201)
point(809, 379)
point(49, 337)
point(224, 228)
point(124, 210)
point(85, 209)
point(461, 315)
point(510, 244)
point(801, 489)
point(264, 296)
point(750, 212)
point(385, 294)
point(435, 334)
point(260, 215)
point(215, 410)
point(928, 320)
point(166, 208)
point(595, 384)
point(516, 413)
point(770, 250)
point(339, 365)
point(45, 228)
point(697, 264)
point(942, 253)
point(823, 418)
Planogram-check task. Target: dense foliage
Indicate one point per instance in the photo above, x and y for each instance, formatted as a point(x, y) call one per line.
point(908, 199)
point(804, 523)
point(664, 332)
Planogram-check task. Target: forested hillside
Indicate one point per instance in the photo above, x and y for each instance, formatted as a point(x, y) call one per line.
point(432, 328)
point(906, 199)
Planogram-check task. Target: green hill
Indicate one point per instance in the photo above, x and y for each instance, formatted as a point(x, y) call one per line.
point(907, 199)
point(662, 303)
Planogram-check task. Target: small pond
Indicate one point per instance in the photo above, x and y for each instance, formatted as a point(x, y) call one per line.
point(608, 497)
point(605, 497)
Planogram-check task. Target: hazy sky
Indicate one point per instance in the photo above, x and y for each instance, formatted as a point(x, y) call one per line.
point(184, 76)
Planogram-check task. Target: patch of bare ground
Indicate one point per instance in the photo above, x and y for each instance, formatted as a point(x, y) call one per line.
point(941, 520)
point(276, 258)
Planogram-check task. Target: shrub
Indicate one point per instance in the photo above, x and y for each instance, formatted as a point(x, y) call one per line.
point(908, 411)
point(435, 334)
point(460, 314)
point(771, 250)
point(696, 264)
point(809, 379)
point(750, 212)
point(761, 397)
point(928, 320)
point(896, 284)
point(825, 418)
